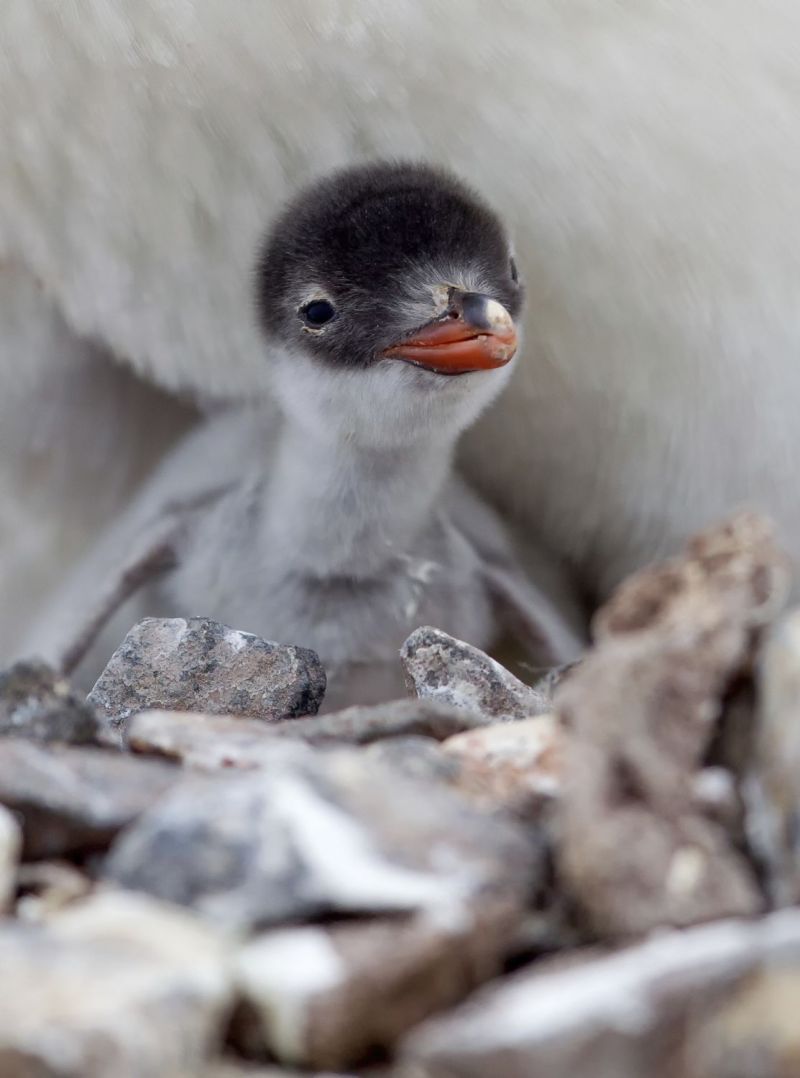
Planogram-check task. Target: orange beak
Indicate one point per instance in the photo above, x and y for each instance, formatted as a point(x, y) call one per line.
point(476, 334)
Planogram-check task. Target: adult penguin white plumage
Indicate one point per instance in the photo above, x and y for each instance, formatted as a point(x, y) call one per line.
point(647, 159)
point(389, 296)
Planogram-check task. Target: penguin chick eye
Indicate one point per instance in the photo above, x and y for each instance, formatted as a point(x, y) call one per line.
point(317, 313)
point(512, 266)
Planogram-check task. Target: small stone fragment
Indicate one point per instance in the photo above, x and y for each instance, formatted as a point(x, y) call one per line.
point(313, 834)
point(214, 741)
point(38, 703)
point(517, 765)
point(330, 996)
point(119, 988)
point(772, 784)
point(10, 848)
point(439, 667)
point(419, 758)
point(200, 665)
point(71, 799)
point(48, 886)
point(719, 1001)
point(634, 848)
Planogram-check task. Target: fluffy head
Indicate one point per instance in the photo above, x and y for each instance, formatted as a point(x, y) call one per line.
point(357, 262)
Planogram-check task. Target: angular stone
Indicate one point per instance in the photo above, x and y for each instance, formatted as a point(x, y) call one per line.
point(517, 764)
point(73, 799)
point(439, 667)
point(215, 741)
point(719, 1001)
point(641, 709)
point(38, 703)
point(772, 784)
point(10, 848)
point(200, 665)
point(312, 834)
point(330, 996)
point(119, 988)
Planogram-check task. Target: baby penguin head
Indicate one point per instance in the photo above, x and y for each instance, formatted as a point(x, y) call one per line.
point(390, 296)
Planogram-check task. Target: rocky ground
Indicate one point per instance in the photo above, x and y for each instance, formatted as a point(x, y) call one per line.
point(596, 878)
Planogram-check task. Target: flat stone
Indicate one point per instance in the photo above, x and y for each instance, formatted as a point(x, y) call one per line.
point(329, 996)
point(439, 667)
point(772, 784)
point(634, 848)
point(199, 665)
point(71, 799)
point(38, 703)
point(517, 764)
point(120, 987)
point(718, 1001)
point(215, 741)
point(312, 834)
point(10, 849)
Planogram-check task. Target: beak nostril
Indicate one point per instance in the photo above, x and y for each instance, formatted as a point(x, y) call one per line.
point(452, 314)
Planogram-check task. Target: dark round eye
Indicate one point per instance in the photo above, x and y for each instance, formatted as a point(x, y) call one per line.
point(317, 313)
point(512, 265)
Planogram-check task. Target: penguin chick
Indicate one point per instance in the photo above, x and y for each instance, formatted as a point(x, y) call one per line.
point(389, 296)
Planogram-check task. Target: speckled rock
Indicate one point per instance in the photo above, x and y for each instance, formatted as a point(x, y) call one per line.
point(214, 741)
point(313, 833)
point(38, 703)
point(72, 799)
point(641, 709)
point(718, 1001)
point(10, 848)
point(439, 667)
point(355, 987)
point(772, 783)
point(517, 764)
point(115, 989)
point(200, 665)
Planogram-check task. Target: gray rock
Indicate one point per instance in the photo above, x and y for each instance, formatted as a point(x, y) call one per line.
point(635, 849)
point(355, 987)
point(311, 834)
point(772, 784)
point(38, 703)
point(439, 667)
point(72, 799)
point(718, 1001)
point(215, 741)
point(118, 988)
point(200, 665)
point(10, 848)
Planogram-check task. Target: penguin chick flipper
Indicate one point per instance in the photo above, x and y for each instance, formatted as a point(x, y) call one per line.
point(535, 604)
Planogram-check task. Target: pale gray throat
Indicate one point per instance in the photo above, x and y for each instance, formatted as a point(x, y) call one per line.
point(337, 508)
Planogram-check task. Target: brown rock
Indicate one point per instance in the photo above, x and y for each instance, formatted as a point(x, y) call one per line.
point(200, 665)
point(119, 988)
point(313, 834)
point(355, 987)
point(72, 799)
point(439, 667)
point(215, 741)
point(517, 764)
point(642, 709)
point(38, 703)
point(719, 1001)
